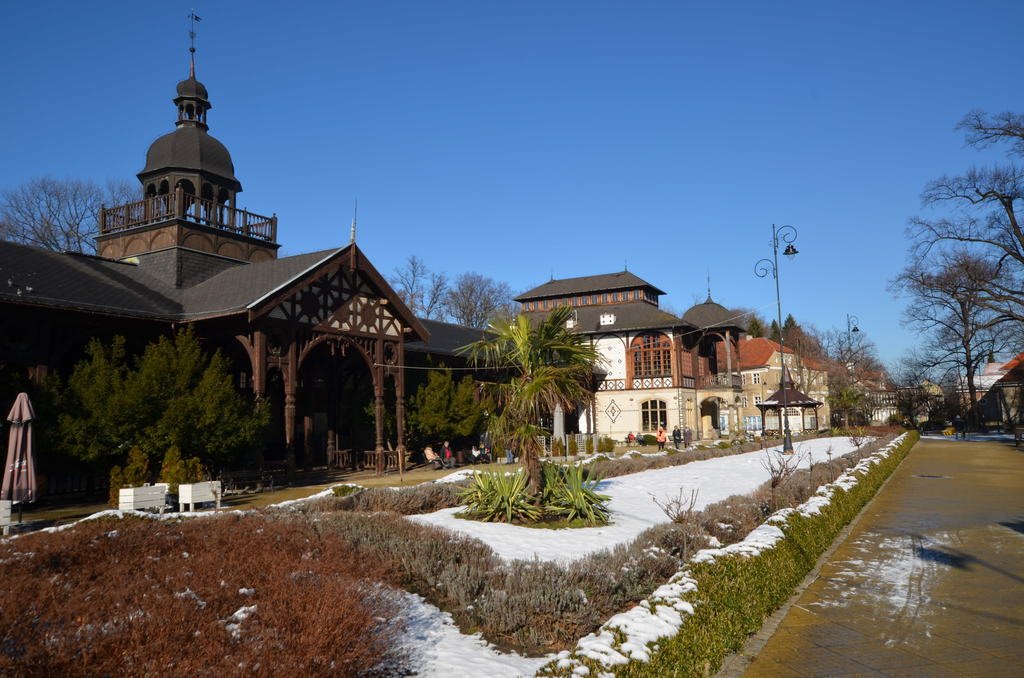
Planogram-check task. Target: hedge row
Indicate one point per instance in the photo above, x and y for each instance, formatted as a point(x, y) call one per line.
point(723, 600)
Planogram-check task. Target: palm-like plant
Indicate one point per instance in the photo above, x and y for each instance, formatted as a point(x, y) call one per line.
point(544, 366)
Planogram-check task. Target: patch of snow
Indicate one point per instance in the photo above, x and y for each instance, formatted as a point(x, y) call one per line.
point(233, 624)
point(632, 507)
point(436, 647)
point(628, 636)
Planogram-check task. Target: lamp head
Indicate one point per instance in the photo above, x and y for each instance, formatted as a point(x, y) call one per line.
point(790, 251)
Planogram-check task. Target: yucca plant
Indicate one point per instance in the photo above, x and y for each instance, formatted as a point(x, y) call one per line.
point(569, 494)
point(500, 497)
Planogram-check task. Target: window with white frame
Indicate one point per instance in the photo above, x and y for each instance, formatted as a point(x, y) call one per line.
point(755, 378)
point(653, 414)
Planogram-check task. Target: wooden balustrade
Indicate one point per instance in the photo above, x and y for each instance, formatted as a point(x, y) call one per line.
point(720, 380)
point(190, 208)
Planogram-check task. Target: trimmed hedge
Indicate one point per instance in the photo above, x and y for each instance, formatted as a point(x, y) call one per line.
point(736, 594)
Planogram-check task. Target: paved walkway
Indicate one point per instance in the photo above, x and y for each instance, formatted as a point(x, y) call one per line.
point(929, 582)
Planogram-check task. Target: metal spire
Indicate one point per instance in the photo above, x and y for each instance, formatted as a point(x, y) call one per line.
point(193, 19)
point(352, 233)
point(709, 285)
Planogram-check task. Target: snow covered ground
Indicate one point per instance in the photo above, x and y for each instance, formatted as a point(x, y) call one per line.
point(440, 649)
point(632, 505)
point(435, 644)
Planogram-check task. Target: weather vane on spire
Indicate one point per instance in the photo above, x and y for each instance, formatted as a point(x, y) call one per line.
point(709, 283)
point(193, 19)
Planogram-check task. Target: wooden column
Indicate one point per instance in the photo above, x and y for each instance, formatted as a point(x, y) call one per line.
point(291, 383)
point(400, 405)
point(259, 364)
point(332, 408)
point(307, 441)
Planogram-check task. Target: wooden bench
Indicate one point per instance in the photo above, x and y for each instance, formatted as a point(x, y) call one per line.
point(238, 482)
point(142, 498)
point(198, 493)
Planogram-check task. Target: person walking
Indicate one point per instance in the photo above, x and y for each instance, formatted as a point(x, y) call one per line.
point(661, 438)
point(677, 437)
point(687, 436)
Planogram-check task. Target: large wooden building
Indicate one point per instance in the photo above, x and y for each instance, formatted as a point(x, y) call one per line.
point(319, 335)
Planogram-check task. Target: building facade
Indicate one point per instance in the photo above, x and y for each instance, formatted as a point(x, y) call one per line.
point(761, 361)
point(657, 369)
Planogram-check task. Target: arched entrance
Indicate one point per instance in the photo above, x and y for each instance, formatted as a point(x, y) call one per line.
point(710, 418)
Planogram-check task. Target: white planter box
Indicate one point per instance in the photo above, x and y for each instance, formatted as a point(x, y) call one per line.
point(198, 493)
point(145, 497)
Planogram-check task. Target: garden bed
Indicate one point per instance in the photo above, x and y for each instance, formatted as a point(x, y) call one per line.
point(687, 626)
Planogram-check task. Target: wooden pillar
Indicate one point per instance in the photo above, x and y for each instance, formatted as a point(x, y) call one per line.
point(307, 441)
point(378, 409)
point(291, 383)
point(259, 364)
point(400, 406)
point(332, 409)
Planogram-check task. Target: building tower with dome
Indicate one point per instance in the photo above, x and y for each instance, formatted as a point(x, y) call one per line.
point(187, 226)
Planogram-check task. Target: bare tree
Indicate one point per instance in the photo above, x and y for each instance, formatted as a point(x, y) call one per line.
point(474, 299)
point(917, 392)
point(946, 303)
point(58, 214)
point(422, 290)
point(984, 212)
point(781, 468)
point(854, 373)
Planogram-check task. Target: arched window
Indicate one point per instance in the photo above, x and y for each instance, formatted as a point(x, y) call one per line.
point(164, 189)
point(653, 414)
point(150, 190)
point(652, 355)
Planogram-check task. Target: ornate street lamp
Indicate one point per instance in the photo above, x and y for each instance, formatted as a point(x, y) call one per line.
point(852, 322)
point(762, 269)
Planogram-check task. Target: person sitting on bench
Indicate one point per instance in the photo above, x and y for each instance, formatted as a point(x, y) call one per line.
point(432, 458)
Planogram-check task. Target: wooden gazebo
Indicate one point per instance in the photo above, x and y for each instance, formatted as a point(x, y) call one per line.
point(788, 397)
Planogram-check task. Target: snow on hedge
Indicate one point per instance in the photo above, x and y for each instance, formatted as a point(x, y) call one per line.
point(628, 636)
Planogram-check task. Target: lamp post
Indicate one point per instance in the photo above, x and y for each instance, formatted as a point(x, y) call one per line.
point(852, 323)
point(762, 269)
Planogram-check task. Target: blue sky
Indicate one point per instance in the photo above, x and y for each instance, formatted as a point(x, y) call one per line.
point(530, 139)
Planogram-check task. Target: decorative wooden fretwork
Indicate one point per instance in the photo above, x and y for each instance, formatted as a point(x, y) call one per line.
point(653, 382)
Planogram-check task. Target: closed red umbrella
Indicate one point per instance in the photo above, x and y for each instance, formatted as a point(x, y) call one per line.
point(19, 472)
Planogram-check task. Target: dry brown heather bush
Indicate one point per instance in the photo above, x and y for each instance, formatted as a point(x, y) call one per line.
point(142, 597)
point(423, 498)
point(537, 607)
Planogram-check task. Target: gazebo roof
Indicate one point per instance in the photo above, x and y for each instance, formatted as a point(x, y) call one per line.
point(794, 398)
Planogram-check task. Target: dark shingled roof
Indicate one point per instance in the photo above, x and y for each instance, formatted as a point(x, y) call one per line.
point(79, 281)
point(587, 283)
point(628, 316)
point(192, 88)
point(794, 398)
point(445, 338)
point(190, 148)
point(710, 314)
point(236, 288)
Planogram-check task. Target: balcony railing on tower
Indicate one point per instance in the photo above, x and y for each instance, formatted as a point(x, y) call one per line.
point(191, 208)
